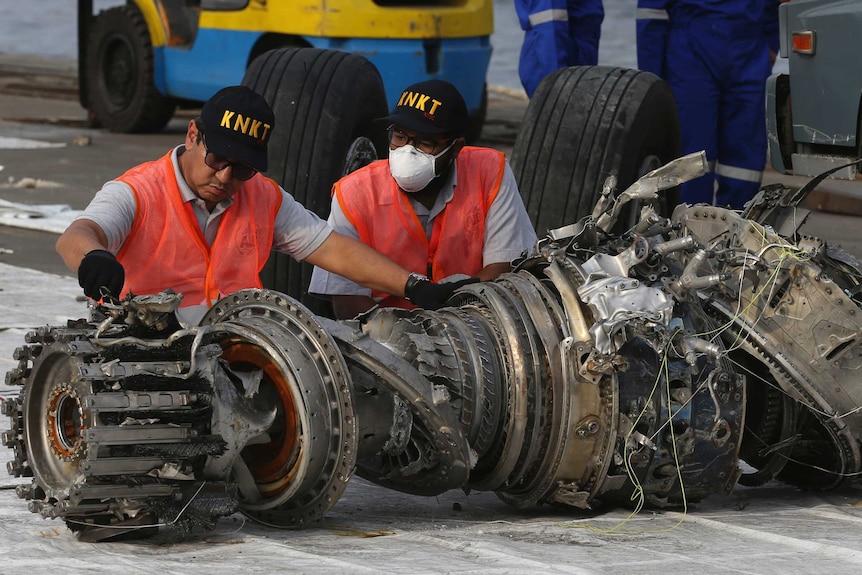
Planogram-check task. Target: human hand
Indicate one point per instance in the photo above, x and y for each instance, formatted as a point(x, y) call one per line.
point(427, 295)
point(98, 269)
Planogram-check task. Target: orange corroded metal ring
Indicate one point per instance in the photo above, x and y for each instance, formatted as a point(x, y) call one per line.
point(65, 421)
point(273, 464)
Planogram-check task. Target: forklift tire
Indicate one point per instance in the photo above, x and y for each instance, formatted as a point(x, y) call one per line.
point(586, 123)
point(325, 103)
point(120, 71)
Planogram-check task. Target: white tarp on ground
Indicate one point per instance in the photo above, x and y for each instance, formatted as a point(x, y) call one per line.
point(11, 143)
point(53, 218)
point(772, 529)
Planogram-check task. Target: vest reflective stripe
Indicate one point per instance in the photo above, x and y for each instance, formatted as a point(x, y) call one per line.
point(651, 14)
point(553, 15)
point(743, 174)
point(385, 220)
point(166, 248)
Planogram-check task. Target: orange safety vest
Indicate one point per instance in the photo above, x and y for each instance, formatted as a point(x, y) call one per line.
point(166, 247)
point(385, 219)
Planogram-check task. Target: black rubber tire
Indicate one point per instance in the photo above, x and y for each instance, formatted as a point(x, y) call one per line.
point(583, 124)
point(323, 101)
point(120, 74)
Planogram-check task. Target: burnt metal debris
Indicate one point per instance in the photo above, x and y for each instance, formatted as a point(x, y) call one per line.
point(610, 366)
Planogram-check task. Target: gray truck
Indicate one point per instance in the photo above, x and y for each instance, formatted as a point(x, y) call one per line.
point(813, 113)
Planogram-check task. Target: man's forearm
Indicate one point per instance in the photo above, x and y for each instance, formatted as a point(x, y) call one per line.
point(80, 238)
point(360, 264)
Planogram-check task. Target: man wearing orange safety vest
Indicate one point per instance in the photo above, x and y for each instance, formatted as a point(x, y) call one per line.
point(441, 209)
point(202, 221)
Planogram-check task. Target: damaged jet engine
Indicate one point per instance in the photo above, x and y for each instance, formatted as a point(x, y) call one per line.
point(647, 362)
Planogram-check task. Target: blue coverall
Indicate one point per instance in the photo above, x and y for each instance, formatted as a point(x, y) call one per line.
point(715, 55)
point(557, 34)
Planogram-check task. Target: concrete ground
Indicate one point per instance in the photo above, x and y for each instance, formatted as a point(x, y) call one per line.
point(774, 529)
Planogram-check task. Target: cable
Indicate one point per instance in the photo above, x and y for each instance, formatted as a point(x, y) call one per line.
point(147, 526)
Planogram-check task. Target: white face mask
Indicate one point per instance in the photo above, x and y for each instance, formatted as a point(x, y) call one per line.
point(412, 168)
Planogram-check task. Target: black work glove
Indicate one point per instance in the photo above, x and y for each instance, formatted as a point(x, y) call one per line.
point(98, 269)
point(421, 292)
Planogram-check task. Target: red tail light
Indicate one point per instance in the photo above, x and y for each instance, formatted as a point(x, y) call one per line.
point(803, 42)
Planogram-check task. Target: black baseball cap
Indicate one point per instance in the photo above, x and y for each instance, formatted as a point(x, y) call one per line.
point(237, 124)
point(431, 107)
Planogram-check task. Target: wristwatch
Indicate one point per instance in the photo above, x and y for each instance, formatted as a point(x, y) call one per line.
point(412, 280)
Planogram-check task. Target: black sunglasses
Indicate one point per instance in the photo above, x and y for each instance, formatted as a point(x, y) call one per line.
point(400, 138)
point(219, 163)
